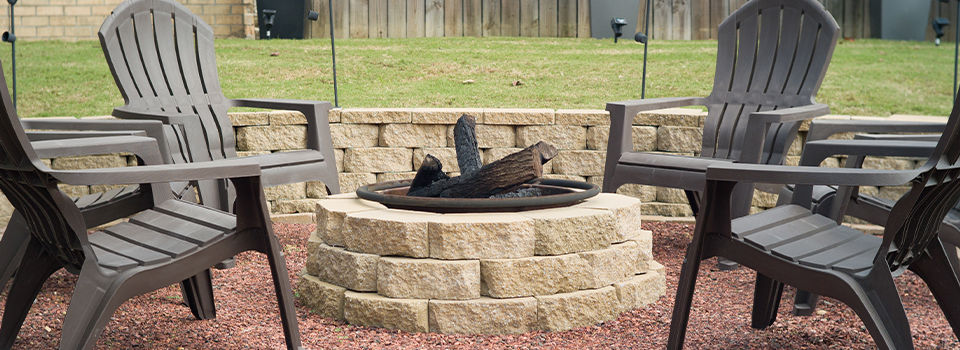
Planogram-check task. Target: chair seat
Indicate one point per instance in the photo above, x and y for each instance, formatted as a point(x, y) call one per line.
point(170, 230)
point(280, 159)
point(670, 161)
point(793, 233)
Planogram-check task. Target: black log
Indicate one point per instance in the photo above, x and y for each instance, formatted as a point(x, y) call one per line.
point(431, 170)
point(465, 140)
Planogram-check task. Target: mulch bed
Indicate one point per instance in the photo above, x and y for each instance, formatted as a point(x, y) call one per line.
point(247, 317)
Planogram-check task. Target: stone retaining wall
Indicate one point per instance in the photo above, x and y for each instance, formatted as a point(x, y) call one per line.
point(375, 144)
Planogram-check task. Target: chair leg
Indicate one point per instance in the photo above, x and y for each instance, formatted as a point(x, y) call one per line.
point(684, 299)
point(940, 277)
point(281, 284)
point(13, 244)
point(197, 292)
point(881, 311)
point(766, 301)
point(804, 303)
point(90, 309)
point(35, 269)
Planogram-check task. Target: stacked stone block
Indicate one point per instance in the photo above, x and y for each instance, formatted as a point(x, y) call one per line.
point(550, 269)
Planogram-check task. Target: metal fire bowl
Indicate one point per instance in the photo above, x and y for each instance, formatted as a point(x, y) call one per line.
point(559, 193)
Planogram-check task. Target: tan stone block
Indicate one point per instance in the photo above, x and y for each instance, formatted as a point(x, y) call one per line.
point(377, 160)
point(242, 154)
point(671, 195)
point(89, 162)
point(354, 271)
point(797, 146)
point(481, 236)
point(370, 309)
point(612, 264)
point(888, 163)
point(577, 309)
point(626, 210)
point(322, 298)
point(483, 316)
point(583, 163)
point(568, 230)
point(73, 190)
point(404, 175)
point(354, 135)
point(583, 117)
point(296, 206)
point(671, 117)
point(338, 155)
point(679, 139)
point(288, 191)
point(350, 182)
point(271, 138)
point(313, 246)
point(666, 209)
point(446, 155)
point(6, 210)
point(517, 116)
point(331, 213)
point(642, 192)
point(764, 199)
point(297, 218)
point(287, 118)
point(447, 116)
point(640, 290)
point(388, 232)
point(334, 115)
point(413, 135)
point(491, 136)
point(428, 278)
point(539, 275)
point(563, 137)
point(644, 138)
point(249, 118)
point(316, 189)
point(375, 115)
point(892, 192)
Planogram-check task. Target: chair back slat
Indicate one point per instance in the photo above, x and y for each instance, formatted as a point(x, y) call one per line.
point(772, 54)
point(176, 70)
point(52, 217)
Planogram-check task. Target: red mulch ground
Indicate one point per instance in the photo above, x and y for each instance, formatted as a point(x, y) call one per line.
point(247, 317)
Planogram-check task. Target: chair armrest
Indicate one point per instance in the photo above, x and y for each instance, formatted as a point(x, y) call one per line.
point(814, 152)
point(316, 113)
point(219, 169)
point(822, 128)
point(59, 135)
point(807, 175)
point(758, 123)
point(891, 137)
point(152, 128)
point(143, 147)
point(621, 121)
point(125, 112)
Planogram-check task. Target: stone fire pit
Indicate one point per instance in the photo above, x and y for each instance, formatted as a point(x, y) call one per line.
point(493, 273)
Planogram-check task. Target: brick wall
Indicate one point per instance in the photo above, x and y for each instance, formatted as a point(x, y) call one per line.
point(81, 19)
point(375, 145)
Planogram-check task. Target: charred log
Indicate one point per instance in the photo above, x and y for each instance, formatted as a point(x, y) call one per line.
point(465, 140)
point(431, 170)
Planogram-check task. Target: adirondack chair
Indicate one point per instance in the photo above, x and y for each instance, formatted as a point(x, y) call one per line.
point(167, 242)
point(163, 61)
point(794, 245)
point(771, 58)
point(877, 139)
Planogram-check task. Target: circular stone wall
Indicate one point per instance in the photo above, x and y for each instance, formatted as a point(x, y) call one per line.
point(490, 273)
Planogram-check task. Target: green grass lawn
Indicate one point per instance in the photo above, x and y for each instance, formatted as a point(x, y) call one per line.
point(867, 77)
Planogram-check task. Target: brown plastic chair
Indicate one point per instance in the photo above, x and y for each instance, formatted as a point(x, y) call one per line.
point(163, 61)
point(794, 245)
point(771, 58)
point(166, 243)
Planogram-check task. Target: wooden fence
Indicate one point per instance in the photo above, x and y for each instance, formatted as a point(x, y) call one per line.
point(672, 19)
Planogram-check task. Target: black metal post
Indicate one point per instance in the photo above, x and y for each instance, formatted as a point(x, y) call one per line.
point(956, 53)
point(646, 31)
point(12, 39)
point(333, 49)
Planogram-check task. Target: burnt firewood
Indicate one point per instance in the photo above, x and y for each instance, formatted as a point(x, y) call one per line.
point(521, 193)
point(431, 170)
point(504, 175)
point(465, 140)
